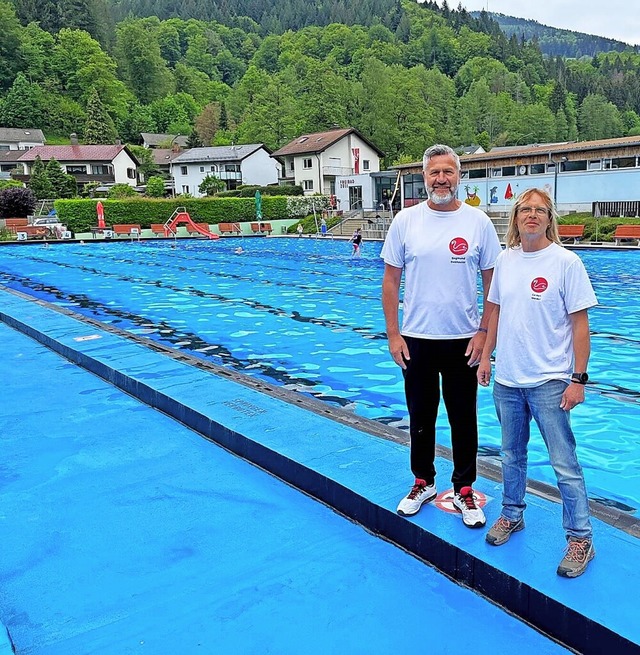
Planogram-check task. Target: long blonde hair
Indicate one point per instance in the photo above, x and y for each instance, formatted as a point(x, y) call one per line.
point(512, 237)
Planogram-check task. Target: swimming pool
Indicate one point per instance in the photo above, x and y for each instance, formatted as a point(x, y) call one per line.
point(304, 314)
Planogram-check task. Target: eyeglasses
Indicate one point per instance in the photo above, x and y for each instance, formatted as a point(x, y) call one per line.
point(538, 211)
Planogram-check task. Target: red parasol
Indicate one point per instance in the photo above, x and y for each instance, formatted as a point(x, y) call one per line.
point(100, 210)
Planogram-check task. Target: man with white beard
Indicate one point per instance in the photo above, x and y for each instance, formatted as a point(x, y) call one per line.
point(441, 245)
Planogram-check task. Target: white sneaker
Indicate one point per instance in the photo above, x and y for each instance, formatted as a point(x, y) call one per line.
point(420, 494)
point(465, 503)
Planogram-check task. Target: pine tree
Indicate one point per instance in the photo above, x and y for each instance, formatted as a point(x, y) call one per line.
point(99, 127)
point(194, 140)
point(59, 180)
point(39, 181)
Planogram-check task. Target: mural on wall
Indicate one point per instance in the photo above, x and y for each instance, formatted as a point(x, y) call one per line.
point(472, 198)
point(508, 194)
point(493, 195)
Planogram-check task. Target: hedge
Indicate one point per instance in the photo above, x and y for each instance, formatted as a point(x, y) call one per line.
point(80, 215)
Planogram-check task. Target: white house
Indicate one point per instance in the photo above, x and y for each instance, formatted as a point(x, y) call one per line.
point(105, 164)
point(313, 161)
point(234, 165)
point(14, 138)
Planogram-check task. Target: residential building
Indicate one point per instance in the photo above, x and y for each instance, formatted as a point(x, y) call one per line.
point(234, 165)
point(314, 161)
point(14, 138)
point(150, 140)
point(92, 163)
point(9, 163)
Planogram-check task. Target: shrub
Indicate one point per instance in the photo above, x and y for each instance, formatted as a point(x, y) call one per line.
point(155, 187)
point(16, 202)
point(121, 190)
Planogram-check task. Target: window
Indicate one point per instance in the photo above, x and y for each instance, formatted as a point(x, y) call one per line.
point(414, 190)
point(496, 172)
point(291, 165)
point(307, 163)
point(623, 162)
point(595, 165)
point(202, 169)
point(100, 169)
point(508, 171)
point(536, 169)
point(574, 165)
point(76, 170)
point(4, 147)
point(365, 164)
point(232, 168)
point(308, 185)
point(131, 173)
point(476, 173)
point(214, 168)
point(184, 171)
point(185, 188)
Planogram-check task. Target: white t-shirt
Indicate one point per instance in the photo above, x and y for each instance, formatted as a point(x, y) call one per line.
point(536, 292)
point(441, 253)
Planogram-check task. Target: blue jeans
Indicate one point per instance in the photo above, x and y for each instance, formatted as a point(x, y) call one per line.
point(515, 407)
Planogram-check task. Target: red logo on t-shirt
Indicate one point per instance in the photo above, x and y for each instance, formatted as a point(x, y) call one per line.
point(458, 246)
point(539, 285)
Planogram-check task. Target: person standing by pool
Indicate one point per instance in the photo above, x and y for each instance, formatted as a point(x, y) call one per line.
point(541, 293)
point(356, 240)
point(323, 226)
point(299, 229)
point(441, 245)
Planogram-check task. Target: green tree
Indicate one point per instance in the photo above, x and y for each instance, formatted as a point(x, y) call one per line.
point(155, 187)
point(140, 60)
point(599, 119)
point(24, 105)
point(63, 185)
point(11, 58)
point(39, 181)
point(147, 166)
point(194, 140)
point(99, 127)
point(211, 185)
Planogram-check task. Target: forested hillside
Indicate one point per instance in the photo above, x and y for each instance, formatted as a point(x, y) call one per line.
point(554, 41)
point(407, 76)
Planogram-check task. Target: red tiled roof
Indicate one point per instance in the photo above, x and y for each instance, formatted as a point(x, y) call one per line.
point(318, 142)
point(73, 153)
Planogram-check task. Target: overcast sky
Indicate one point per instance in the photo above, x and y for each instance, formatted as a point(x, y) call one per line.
point(615, 19)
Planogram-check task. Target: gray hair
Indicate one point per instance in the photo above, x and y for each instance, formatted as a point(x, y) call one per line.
point(438, 150)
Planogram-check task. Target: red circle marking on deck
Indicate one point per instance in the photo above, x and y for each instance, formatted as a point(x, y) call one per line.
point(444, 501)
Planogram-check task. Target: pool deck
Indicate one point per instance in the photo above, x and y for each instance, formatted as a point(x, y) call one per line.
point(362, 477)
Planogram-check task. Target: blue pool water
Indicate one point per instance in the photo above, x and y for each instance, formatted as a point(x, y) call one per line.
point(304, 314)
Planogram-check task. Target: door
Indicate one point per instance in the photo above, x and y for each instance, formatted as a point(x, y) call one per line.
point(355, 197)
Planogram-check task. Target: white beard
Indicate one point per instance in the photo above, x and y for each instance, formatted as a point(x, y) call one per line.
point(440, 198)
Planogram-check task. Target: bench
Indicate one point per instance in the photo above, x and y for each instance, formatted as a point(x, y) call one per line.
point(131, 230)
point(229, 228)
point(12, 224)
point(627, 233)
point(575, 232)
point(157, 229)
point(261, 227)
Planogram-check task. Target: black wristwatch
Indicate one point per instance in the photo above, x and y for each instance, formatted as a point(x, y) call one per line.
point(580, 378)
